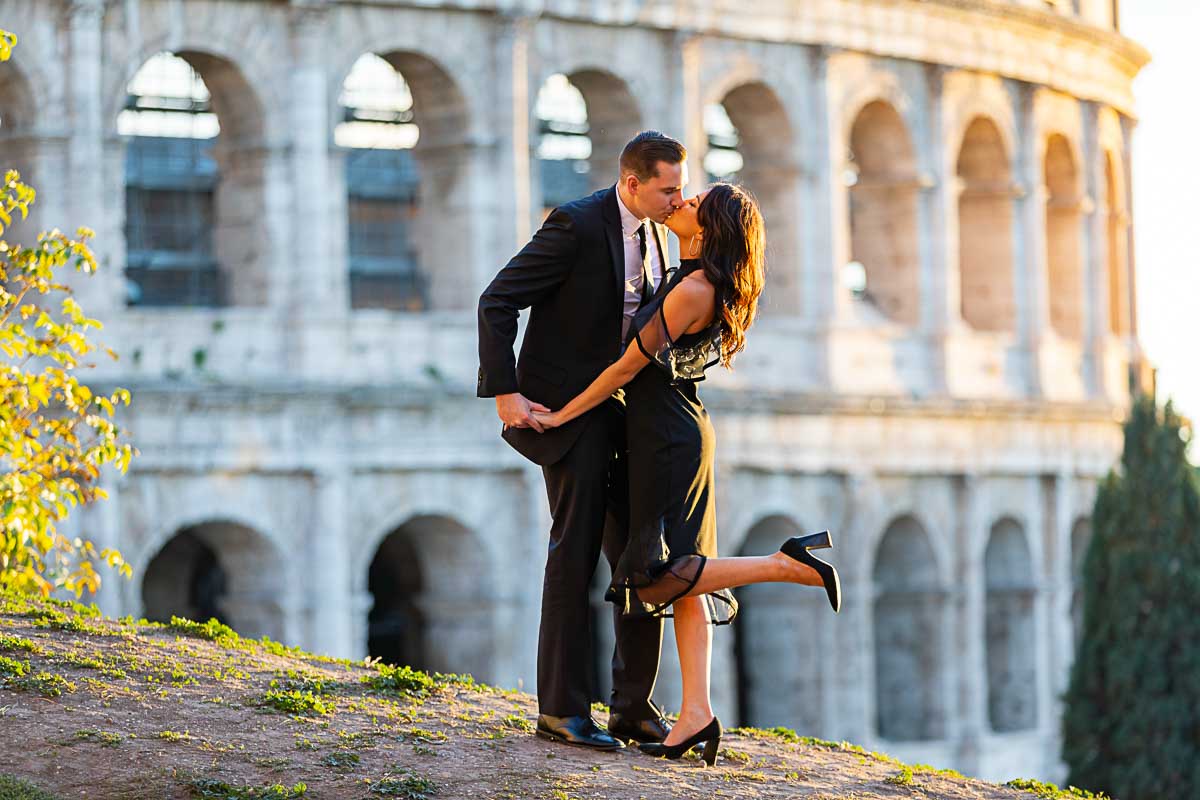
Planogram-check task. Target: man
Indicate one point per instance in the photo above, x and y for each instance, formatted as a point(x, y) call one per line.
point(583, 275)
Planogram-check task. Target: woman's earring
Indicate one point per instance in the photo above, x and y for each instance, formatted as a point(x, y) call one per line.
point(693, 248)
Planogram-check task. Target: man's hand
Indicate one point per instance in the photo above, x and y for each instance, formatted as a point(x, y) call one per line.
point(517, 412)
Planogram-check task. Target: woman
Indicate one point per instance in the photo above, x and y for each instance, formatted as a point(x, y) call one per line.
point(697, 319)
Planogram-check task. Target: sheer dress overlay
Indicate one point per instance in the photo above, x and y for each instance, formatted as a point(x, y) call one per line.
point(671, 451)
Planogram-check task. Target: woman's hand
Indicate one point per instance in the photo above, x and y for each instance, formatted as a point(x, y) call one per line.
point(547, 419)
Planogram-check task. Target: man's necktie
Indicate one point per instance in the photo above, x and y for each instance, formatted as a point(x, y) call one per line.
point(647, 289)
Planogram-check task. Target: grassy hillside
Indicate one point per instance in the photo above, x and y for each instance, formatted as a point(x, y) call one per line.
point(126, 710)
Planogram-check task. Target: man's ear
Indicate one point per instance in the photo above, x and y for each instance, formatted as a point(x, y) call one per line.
point(631, 182)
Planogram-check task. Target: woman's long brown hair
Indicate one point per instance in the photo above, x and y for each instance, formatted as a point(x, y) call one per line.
point(732, 255)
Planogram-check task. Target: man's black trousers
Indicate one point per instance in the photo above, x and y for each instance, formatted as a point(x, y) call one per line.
point(588, 492)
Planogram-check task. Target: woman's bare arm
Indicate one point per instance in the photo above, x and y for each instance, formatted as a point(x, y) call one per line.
point(688, 303)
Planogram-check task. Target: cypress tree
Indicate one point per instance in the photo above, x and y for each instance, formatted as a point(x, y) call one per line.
point(1131, 727)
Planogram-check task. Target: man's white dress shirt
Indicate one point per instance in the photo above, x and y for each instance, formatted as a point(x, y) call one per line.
point(633, 261)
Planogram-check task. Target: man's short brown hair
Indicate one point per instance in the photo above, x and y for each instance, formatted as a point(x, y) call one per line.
point(644, 151)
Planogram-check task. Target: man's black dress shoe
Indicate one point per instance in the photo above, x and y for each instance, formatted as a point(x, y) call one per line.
point(643, 731)
point(582, 731)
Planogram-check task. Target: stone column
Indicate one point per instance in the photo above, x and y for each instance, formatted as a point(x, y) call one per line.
point(328, 605)
point(86, 204)
point(1094, 236)
point(1053, 623)
point(938, 234)
point(314, 286)
point(851, 714)
point(1030, 270)
point(508, 180)
point(824, 205)
point(970, 611)
point(824, 202)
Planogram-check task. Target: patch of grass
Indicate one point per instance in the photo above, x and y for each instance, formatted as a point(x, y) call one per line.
point(212, 631)
point(736, 756)
point(294, 681)
point(47, 684)
point(11, 668)
point(89, 610)
point(13, 643)
point(297, 702)
point(106, 738)
point(1048, 791)
point(211, 789)
point(401, 680)
point(945, 773)
point(55, 620)
point(518, 722)
point(341, 761)
point(175, 736)
point(405, 784)
point(13, 788)
point(464, 681)
point(902, 778)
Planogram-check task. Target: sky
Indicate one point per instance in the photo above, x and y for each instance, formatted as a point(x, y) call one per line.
point(1166, 193)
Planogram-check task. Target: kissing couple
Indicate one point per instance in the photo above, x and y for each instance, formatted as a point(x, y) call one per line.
point(604, 398)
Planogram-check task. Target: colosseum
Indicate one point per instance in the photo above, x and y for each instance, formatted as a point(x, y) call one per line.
point(298, 202)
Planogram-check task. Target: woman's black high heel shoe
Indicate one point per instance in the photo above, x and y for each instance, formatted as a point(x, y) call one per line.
point(710, 735)
point(798, 546)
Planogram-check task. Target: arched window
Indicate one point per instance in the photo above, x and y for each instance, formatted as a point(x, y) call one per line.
point(378, 133)
point(750, 142)
point(1063, 233)
point(406, 140)
point(218, 569)
point(564, 148)
point(882, 177)
point(431, 604)
point(779, 672)
point(584, 121)
point(908, 633)
point(171, 178)
point(1011, 644)
point(985, 229)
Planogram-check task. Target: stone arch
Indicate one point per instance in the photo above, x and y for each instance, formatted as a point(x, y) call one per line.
point(18, 109)
point(426, 190)
point(779, 675)
point(18, 124)
point(1009, 629)
point(192, 236)
point(432, 587)
point(219, 568)
point(1116, 218)
point(985, 224)
point(1064, 263)
point(883, 210)
point(764, 139)
point(908, 626)
point(614, 116)
point(1081, 538)
point(611, 116)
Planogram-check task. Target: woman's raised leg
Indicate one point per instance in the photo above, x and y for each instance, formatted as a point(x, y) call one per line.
point(729, 573)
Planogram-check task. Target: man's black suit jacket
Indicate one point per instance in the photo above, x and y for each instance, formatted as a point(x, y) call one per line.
point(571, 276)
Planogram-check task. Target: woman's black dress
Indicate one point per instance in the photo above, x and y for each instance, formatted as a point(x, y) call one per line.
point(671, 448)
